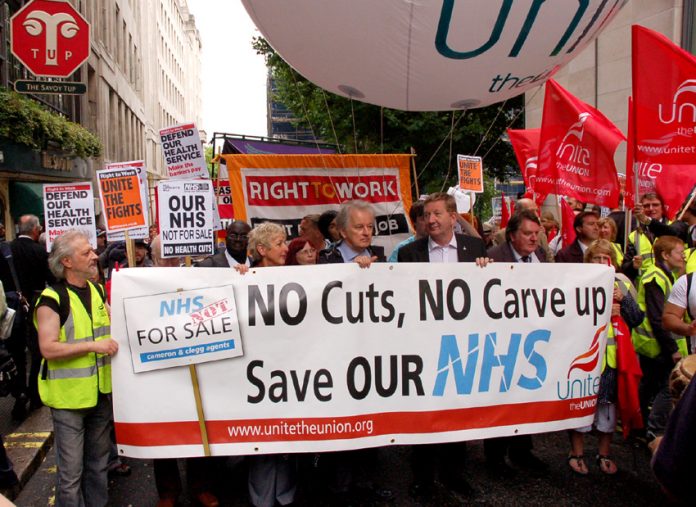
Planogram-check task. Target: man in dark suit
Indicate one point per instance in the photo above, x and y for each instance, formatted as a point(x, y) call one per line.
point(235, 252)
point(31, 265)
point(355, 223)
point(521, 245)
point(441, 245)
point(521, 240)
point(586, 231)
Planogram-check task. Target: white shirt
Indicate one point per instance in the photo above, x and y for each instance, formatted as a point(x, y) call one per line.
point(678, 297)
point(232, 262)
point(447, 253)
point(518, 258)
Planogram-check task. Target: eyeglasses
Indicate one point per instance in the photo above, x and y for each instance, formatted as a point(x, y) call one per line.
point(237, 236)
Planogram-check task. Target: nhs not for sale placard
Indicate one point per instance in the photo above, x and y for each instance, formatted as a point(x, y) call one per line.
point(182, 328)
point(186, 217)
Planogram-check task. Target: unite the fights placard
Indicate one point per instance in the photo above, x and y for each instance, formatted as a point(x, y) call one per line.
point(138, 232)
point(186, 217)
point(182, 328)
point(69, 206)
point(183, 152)
point(121, 198)
point(283, 189)
point(337, 357)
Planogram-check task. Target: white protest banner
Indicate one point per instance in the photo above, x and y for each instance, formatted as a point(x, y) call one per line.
point(139, 232)
point(182, 328)
point(121, 198)
point(283, 189)
point(186, 217)
point(69, 206)
point(337, 357)
point(183, 152)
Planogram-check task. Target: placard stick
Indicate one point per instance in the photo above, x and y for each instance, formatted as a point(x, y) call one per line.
point(197, 395)
point(199, 409)
point(130, 250)
point(415, 174)
point(688, 204)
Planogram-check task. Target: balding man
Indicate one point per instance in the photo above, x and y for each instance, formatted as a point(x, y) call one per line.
point(30, 263)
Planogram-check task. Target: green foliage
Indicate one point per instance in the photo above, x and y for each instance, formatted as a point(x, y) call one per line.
point(25, 122)
point(384, 130)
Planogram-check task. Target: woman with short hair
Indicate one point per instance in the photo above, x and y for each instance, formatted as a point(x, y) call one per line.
point(272, 477)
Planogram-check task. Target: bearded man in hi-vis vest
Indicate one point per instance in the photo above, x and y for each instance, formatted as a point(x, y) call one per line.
point(72, 319)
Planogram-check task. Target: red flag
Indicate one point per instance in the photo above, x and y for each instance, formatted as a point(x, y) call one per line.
point(526, 146)
point(629, 374)
point(512, 208)
point(504, 212)
point(629, 189)
point(567, 219)
point(576, 150)
point(664, 108)
point(676, 185)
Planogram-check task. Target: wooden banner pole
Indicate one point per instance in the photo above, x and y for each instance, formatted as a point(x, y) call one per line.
point(130, 250)
point(197, 395)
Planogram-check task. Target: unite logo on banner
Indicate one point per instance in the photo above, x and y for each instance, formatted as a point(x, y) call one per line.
point(677, 110)
point(572, 156)
point(583, 386)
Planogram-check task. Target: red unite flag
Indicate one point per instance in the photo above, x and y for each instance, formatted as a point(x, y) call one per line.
point(664, 112)
point(526, 146)
point(576, 150)
point(567, 219)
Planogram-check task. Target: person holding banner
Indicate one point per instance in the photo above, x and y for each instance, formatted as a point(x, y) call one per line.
point(658, 349)
point(199, 471)
point(235, 252)
point(441, 245)
point(355, 223)
point(73, 324)
point(272, 477)
point(522, 245)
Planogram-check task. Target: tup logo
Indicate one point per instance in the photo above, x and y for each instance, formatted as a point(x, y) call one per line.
point(50, 38)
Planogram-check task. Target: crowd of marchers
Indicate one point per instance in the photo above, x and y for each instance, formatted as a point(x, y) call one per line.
point(62, 299)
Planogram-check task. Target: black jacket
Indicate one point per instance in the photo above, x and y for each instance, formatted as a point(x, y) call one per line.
point(332, 255)
point(469, 249)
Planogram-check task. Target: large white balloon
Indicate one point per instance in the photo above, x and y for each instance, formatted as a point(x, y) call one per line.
point(430, 55)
